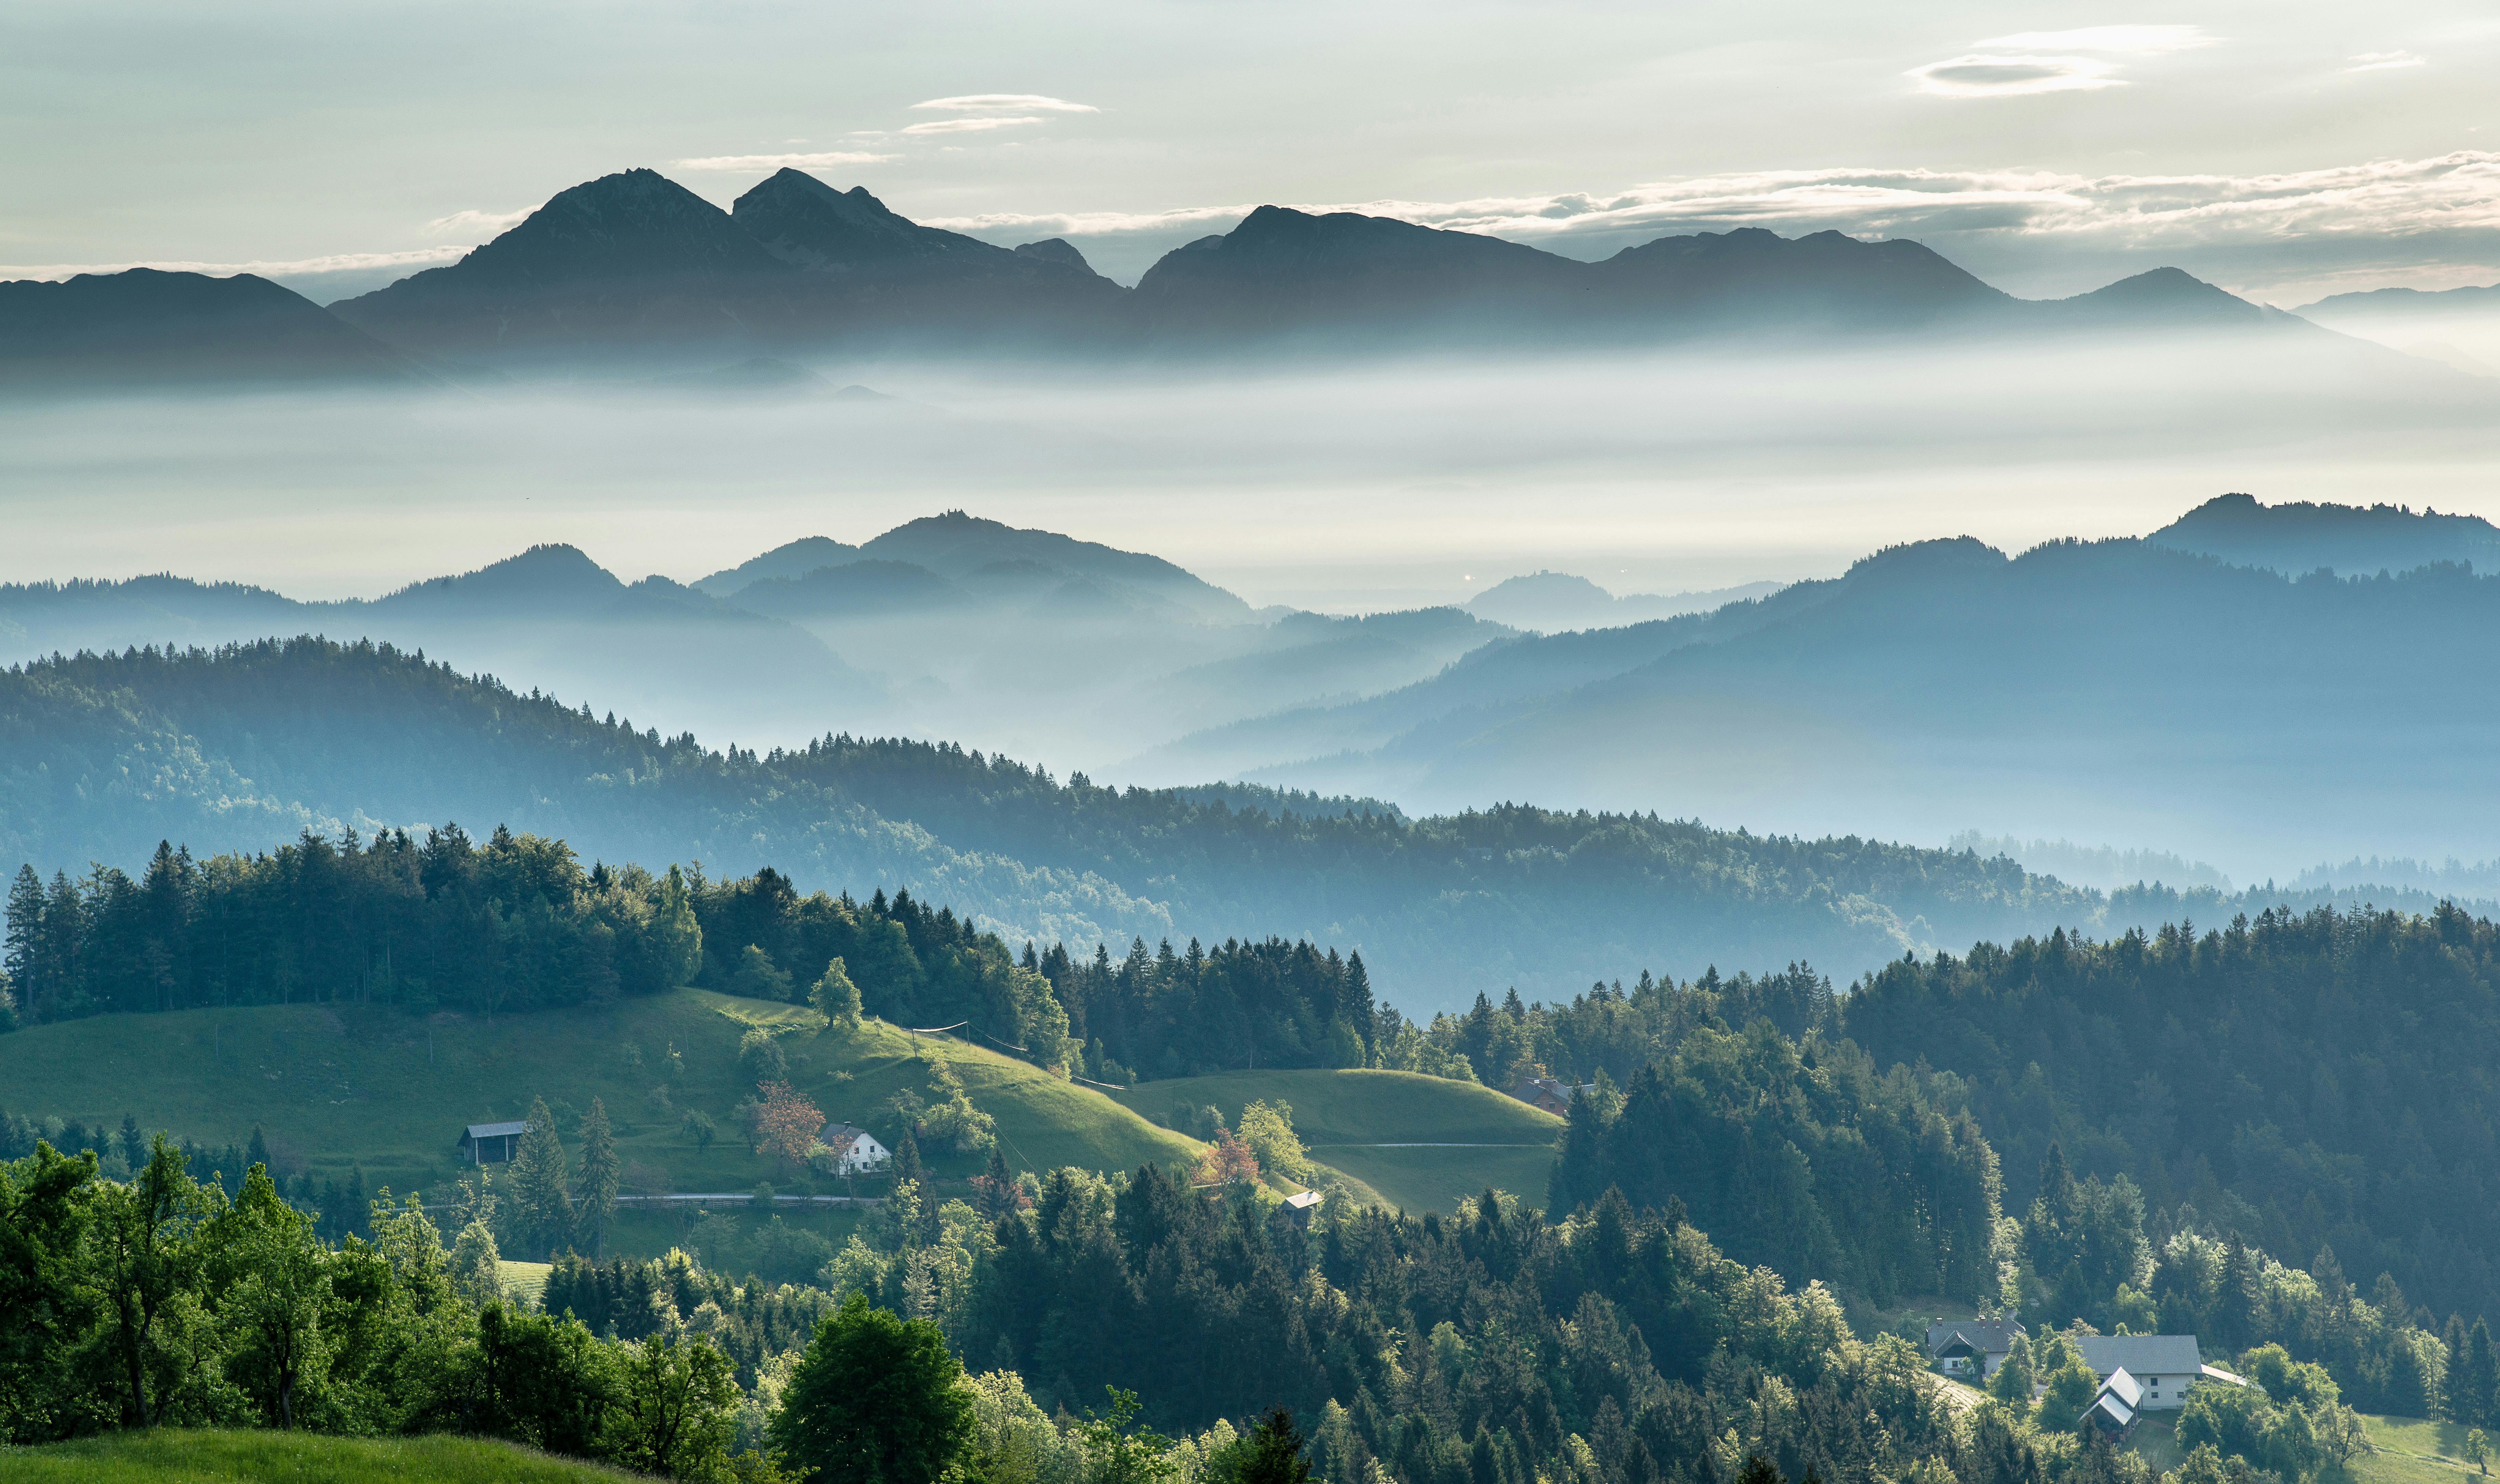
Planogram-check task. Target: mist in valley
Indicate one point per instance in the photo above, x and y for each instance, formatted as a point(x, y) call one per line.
point(1312, 491)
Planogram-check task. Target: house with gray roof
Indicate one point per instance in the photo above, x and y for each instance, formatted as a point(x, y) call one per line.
point(1971, 1348)
point(2116, 1406)
point(492, 1144)
point(2163, 1367)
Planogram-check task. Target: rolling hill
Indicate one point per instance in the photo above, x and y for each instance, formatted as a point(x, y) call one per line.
point(1420, 1142)
point(2114, 690)
point(103, 757)
point(339, 1086)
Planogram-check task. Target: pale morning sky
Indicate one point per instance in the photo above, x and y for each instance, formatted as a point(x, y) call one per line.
point(2284, 150)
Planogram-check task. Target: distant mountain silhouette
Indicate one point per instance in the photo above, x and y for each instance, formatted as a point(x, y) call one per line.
point(2119, 687)
point(549, 617)
point(958, 545)
point(795, 560)
point(632, 273)
point(142, 326)
point(1283, 270)
point(1756, 278)
point(1290, 276)
point(630, 258)
point(2168, 299)
point(2298, 538)
point(1556, 602)
point(2479, 300)
point(851, 590)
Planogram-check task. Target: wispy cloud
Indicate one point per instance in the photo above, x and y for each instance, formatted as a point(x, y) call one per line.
point(975, 124)
point(2381, 61)
point(1988, 75)
point(337, 262)
point(2127, 39)
point(2030, 62)
point(1008, 103)
point(474, 224)
point(820, 161)
point(2388, 198)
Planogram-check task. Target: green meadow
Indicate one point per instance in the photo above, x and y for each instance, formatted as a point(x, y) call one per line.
point(335, 1086)
point(1420, 1142)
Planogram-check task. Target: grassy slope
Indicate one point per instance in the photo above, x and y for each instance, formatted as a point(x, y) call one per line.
point(1344, 1116)
point(2412, 1451)
point(176, 1456)
point(336, 1085)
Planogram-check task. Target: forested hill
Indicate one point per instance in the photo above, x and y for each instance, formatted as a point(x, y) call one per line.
point(2305, 1080)
point(103, 757)
point(2115, 690)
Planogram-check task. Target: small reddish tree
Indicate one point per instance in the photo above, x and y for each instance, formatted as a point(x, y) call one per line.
point(786, 1124)
point(1226, 1161)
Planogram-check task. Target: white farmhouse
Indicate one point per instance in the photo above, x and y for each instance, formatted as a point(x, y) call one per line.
point(2163, 1367)
point(848, 1149)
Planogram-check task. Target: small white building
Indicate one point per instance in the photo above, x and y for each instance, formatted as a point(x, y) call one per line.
point(2163, 1367)
point(1971, 1349)
point(848, 1149)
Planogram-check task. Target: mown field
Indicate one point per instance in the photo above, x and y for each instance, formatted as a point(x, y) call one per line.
point(1420, 1142)
point(335, 1086)
point(2412, 1451)
point(180, 1456)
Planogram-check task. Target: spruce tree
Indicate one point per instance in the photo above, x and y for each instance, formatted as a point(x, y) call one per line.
point(22, 960)
point(541, 1210)
point(254, 1153)
point(595, 1200)
point(907, 1158)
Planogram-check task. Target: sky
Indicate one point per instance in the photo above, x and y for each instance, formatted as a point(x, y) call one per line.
point(2284, 152)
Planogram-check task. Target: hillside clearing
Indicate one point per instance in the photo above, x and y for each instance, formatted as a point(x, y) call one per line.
point(1422, 1143)
point(186, 1456)
point(342, 1086)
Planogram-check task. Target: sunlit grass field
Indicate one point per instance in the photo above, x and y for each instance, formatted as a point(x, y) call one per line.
point(179, 1455)
point(336, 1086)
point(1420, 1142)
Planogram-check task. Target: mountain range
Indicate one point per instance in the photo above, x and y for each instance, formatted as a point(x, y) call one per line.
point(2124, 689)
point(632, 273)
point(946, 626)
point(2121, 689)
point(142, 327)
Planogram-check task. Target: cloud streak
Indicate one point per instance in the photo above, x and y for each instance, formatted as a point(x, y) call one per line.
point(820, 161)
point(2381, 61)
point(1987, 75)
point(473, 224)
point(973, 124)
point(337, 262)
point(1008, 103)
point(2378, 197)
point(2029, 62)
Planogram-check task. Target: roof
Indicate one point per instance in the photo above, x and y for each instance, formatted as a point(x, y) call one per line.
point(2122, 1386)
point(1304, 1202)
point(1984, 1336)
point(2141, 1355)
point(496, 1129)
point(2218, 1373)
point(2108, 1404)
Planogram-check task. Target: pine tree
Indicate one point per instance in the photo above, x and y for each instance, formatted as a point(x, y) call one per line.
point(541, 1211)
point(594, 1201)
point(256, 1153)
point(907, 1158)
point(23, 959)
point(1272, 1453)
